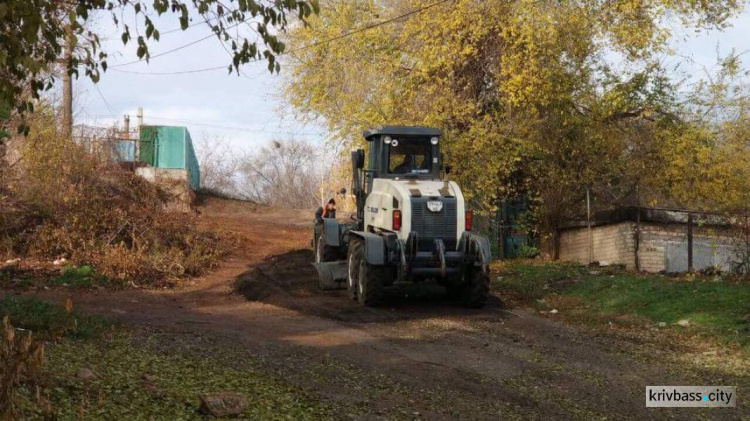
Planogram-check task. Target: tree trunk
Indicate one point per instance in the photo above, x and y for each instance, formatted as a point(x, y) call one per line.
point(67, 91)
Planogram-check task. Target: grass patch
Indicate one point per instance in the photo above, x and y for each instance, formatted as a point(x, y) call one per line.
point(718, 308)
point(529, 281)
point(131, 380)
point(712, 305)
point(47, 320)
point(80, 276)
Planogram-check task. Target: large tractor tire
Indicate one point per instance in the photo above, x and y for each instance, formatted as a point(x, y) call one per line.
point(475, 291)
point(370, 281)
point(352, 267)
point(324, 252)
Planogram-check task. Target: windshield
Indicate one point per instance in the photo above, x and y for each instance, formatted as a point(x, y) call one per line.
point(410, 158)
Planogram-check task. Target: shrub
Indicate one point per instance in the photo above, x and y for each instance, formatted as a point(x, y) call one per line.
point(61, 200)
point(20, 359)
point(527, 251)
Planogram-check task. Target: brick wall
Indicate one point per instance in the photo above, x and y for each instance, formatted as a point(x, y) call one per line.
point(174, 182)
point(611, 244)
point(658, 239)
point(615, 244)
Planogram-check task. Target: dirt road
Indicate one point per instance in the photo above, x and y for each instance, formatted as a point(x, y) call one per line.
point(420, 356)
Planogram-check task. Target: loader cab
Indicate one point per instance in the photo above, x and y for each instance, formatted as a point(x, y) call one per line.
point(397, 153)
point(404, 153)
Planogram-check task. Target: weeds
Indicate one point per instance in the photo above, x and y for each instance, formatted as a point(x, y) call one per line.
point(48, 320)
point(83, 276)
point(20, 359)
point(133, 377)
point(62, 201)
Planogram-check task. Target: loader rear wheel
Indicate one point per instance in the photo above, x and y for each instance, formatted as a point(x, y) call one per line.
point(352, 278)
point(370, 282)
point(324, 252)
point(476, 288)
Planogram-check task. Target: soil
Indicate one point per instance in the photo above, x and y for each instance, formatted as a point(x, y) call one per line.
point(421, 355)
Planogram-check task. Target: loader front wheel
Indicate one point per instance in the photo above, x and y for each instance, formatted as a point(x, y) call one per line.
point(324, 252)
point(370, 282)
point(352, 278)
point(476, 288)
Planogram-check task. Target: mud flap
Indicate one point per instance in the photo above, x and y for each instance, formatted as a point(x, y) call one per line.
point(331, 275)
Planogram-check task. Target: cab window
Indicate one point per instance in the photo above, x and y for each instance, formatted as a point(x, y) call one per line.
point(409, 158)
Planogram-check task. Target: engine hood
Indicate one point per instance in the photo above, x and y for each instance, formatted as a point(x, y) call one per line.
point(425, 188)
point(410, 197)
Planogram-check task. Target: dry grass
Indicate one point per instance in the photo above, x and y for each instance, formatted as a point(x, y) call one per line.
point(63, 202)
point(21, 360)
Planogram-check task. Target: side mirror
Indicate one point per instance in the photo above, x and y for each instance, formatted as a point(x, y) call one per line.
point(342, 191)
point(360, 158)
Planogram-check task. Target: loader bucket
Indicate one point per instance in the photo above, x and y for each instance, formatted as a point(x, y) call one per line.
point(331, 275)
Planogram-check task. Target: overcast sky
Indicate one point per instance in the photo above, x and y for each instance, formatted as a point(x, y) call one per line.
point(247, 109)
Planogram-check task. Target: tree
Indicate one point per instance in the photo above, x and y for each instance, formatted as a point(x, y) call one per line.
point(34, 32)
point(524, 90)
point(219, 165)
point(283, 174)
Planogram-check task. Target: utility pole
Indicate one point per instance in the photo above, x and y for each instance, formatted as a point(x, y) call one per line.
point(126, 132)
point(137, 140)
point(67, 89)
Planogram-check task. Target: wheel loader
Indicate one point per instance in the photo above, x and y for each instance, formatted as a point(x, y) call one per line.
point(411, 224)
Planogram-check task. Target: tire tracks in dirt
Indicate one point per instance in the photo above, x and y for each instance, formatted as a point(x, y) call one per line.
point(419, 354)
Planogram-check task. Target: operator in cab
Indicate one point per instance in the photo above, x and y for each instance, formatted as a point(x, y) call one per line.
point(329, 211)
point(406, 165)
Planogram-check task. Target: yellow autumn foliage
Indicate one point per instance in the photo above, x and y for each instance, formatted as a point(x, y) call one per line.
point(538, 98)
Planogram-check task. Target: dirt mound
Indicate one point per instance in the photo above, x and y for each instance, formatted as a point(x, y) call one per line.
point(208, 202)
point(280, 279)
point(289, 280)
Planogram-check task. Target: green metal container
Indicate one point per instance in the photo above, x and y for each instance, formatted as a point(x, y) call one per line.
point(170, 147)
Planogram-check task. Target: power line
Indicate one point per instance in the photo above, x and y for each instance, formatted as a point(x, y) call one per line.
point(166, 52)
point(238, 128)
point(368, 27)
point(213, 34)
point(304, 47)
point(179, 72)
point(114, 115)
point(188, 27)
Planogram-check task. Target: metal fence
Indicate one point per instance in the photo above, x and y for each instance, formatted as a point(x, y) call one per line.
point(110, 144)
point(509, 236)
point(704, 255)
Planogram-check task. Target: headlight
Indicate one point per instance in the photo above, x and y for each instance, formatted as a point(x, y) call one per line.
point(434, 140)
point(387, 140)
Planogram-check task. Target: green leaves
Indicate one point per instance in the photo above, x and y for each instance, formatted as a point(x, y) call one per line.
point(44, 26)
